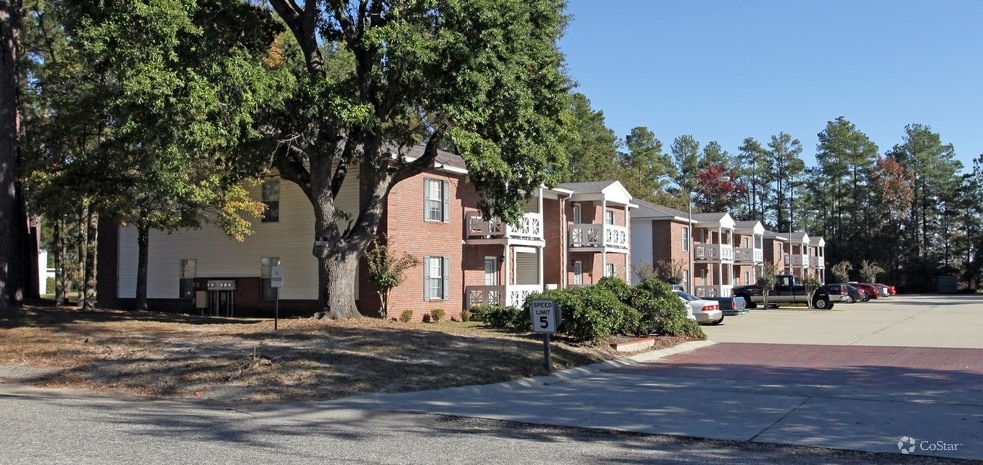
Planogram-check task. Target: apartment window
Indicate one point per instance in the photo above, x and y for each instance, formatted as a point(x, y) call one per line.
point(266, 265)
point(747, 277)
point(578, 214)
point(610, 270)
point(271, 198)
point(436, 278)
point(685, 238)
point(436, 200)
point(608, 216)
point(189, 270)
point(578, 272)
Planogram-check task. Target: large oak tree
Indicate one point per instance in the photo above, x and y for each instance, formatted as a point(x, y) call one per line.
point(483, 77)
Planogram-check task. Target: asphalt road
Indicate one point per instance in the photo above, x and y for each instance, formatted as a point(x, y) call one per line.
point(775, 383)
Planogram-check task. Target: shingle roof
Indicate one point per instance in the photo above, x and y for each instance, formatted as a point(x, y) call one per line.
point(585, 187)
point(650, 210)
point(443, 157)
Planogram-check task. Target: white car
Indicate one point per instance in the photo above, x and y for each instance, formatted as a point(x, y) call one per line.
point(703, 311)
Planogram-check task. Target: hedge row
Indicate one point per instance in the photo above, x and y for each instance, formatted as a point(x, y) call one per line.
point(593, 314)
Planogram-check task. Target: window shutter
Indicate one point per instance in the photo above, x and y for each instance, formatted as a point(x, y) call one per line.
point(445, 190)
point(426, 279)
point(446, 271)
point(426, 206)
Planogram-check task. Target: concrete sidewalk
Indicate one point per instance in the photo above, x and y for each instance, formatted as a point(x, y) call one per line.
point(860, 399)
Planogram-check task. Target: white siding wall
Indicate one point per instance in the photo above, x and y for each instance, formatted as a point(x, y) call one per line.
point(291, 239)
point(641, 245)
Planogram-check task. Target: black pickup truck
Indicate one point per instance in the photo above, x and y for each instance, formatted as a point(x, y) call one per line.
point(787, 290)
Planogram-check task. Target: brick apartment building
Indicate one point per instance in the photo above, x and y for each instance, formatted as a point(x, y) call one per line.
point(573, 234)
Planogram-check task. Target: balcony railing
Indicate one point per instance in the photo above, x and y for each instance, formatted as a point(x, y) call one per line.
point(799, 260)
point(713, 252)
point(714, 291)
point(817, 262)
point(495, 295)
point(598, 235)
point(530, 227)
point(518, 294)
point(748, 255)
point(485, 295)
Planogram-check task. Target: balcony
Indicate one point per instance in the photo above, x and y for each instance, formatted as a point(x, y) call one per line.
point(817, 262)
point(723, 253)
point(598, 236)
point(494, 295)
point(530, 227)
point(748, 255)
point(714, 291)
point(800, 260)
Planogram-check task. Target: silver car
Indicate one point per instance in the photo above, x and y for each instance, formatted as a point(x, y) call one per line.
point(703, 311)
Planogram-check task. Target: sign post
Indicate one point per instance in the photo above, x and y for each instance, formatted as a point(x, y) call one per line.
point(545, 319)
point(276, 281)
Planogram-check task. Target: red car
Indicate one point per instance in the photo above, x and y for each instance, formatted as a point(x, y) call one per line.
point(868, 289)
point(890, 288)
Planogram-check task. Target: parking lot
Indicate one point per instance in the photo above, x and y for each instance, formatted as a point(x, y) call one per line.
point(860, 376)
point(912, 321)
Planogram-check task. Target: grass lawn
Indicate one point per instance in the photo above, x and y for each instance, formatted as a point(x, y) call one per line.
point(162, 355)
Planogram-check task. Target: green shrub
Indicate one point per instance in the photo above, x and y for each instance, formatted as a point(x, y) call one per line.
point(466, 315)
point(662, 312)
point(406, 316)
point(617, 286)
point(590, 314)
point(436, 314)
point(502, 317)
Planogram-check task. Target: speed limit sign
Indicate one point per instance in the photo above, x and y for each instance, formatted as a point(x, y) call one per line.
point(545, 315)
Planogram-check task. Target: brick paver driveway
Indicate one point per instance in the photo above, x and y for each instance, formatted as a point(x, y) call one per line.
point(858, 376)
point(923, 374)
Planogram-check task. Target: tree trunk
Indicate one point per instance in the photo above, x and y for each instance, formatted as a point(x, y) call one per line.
point(61, 261)
point(91, 246)
point(143, 256)
point(13, 221)
point(342, 276)
point(32, 249)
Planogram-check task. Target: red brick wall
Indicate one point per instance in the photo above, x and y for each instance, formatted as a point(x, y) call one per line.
point(667, 241)
point(407, 231)
point(556, 240)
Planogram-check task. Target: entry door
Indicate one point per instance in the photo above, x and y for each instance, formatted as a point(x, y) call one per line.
point(491, 271)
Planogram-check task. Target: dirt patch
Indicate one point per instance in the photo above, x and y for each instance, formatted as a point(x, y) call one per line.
point(178, 356)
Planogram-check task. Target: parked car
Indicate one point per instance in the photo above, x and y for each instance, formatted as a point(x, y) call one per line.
point(846, 293)
point(868, 289)
point(788, 289)
point(890, 289)
point(731, 306)
point(703, 311)
point(885, 290)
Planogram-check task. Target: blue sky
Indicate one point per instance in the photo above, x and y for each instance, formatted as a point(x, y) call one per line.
point(725, 70)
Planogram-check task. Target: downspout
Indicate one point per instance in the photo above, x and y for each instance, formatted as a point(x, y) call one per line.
point(564, 232)
point(604, 237)
point(628, 234)
point(541, 249)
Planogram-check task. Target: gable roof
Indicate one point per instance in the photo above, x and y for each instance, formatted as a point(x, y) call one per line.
point(796, 237)
point(753, 227)
point(608, 191)
point(650, 211)
point(722, 219)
